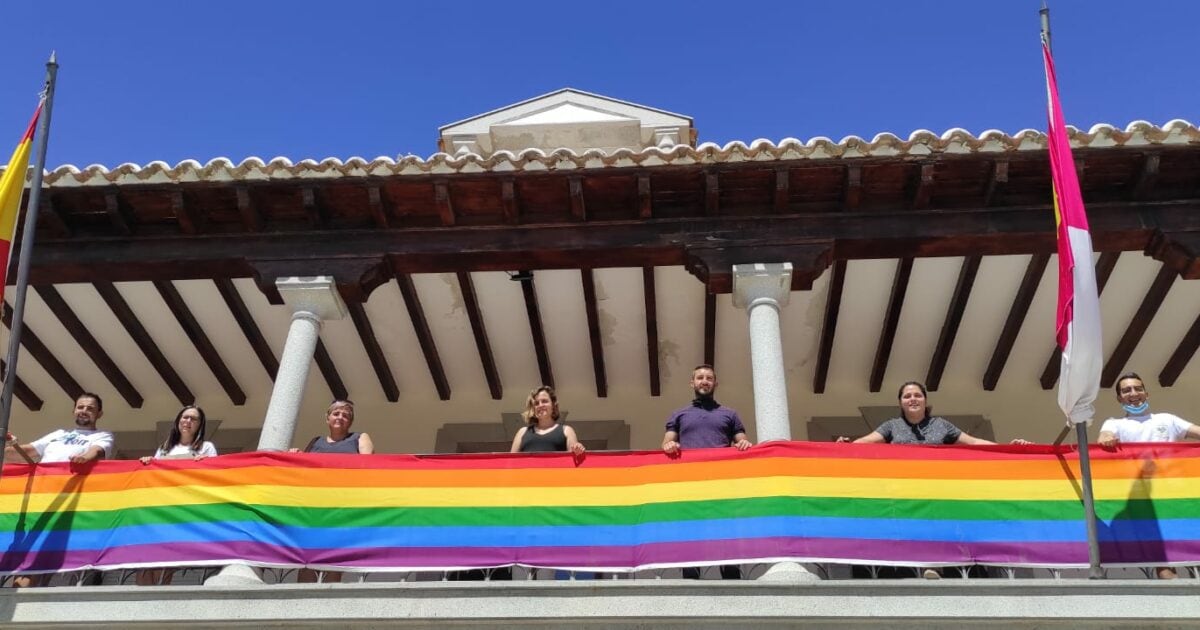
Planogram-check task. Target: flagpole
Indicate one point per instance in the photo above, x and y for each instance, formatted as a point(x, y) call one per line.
point(27, 233)
point(1085, 460)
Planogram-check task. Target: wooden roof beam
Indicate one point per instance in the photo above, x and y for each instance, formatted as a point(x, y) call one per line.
point(593, 321)
point(45, 357)
point(379, 210)
point(314, 209)
point(1137, 326)
point(782, 189)
point(416, 313)
point(1104, 269)
point(1016, 317)
point(710, 328)
point(508, 197)
point(482, 344)
point(441, 197)
point(185, 215)
point(891, 321)
point(195, 333)
point(252, 219)
point(536, 331)
point(57, 305)
point(645, 199)
point(245, 321)
point(833, 304)
point(954, 315)
point(996, 182)
point(1181, 356)
point(49, 215)
point(575, 192)
point(1147, 176)
point(923, 189)
point(651, 302)
point(362, 323)
point(712, 194)
point(852, 190)
point(22, 390)
point(329, 372)
point(115, 208)
point(129, 321)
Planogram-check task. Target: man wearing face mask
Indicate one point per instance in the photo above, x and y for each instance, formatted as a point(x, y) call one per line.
point(1139, 425)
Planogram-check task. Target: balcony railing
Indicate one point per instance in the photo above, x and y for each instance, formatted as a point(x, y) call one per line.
point(637, 514)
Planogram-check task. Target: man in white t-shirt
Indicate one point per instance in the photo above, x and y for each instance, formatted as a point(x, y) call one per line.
point(81, 445)
point(1139, 425)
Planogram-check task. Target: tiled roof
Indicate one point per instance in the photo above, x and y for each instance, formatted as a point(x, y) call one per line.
point(919, 143)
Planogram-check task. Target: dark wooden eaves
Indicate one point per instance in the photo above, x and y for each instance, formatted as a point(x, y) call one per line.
point(129, 321)
point(412, 302)
point(1137, 326)
point(1016, 317)
point(954, 315)
point(482, 343)
point(891, 321)
point(91, 347)
point(204, 347)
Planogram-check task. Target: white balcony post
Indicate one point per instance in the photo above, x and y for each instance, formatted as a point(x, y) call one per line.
point(312, 301)
point(763, 289)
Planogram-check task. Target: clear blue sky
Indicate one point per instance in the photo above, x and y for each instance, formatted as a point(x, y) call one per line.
point(143, 81)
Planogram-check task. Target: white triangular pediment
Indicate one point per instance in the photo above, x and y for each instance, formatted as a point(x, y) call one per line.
point(566, 118)
point(565, 114)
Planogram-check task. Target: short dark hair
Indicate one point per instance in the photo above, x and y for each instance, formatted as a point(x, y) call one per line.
point(704, 366)
point(96, 397)
point(1124, 377)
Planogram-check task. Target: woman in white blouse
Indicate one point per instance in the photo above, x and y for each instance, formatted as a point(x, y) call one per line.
point(185, 442)
point(186, 439)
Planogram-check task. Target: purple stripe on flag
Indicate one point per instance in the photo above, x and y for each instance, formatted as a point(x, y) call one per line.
point(847, 550)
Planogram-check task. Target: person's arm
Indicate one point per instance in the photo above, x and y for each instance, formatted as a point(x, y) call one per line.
point(1193, 432)
point(365, 445)
point(516, 445)
point(93, 453)
point(740, 442)
point(670, 443)
point(873, 437)
point(20, 453)
point(967, 438)
point(573, 443)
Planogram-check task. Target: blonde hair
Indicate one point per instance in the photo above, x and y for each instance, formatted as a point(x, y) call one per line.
point(529, 404)
point(340, 403)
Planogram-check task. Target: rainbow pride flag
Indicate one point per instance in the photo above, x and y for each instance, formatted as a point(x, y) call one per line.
point(874, 504)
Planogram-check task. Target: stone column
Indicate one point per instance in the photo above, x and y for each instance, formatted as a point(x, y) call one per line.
point(762, 289)
point(312, 301)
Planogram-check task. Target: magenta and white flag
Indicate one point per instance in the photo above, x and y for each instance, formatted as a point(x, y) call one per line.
point(1078, 320)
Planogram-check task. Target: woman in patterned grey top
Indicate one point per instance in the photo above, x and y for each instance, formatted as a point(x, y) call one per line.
point(916, 426)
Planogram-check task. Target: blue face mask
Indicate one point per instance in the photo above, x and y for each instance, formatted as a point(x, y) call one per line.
point(1137, 410)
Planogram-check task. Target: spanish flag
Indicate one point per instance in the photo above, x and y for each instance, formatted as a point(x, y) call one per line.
point(1078, 321)
point(12, 184)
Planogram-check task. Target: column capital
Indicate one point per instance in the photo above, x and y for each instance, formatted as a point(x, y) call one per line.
point(317, 295)
point(762, 281)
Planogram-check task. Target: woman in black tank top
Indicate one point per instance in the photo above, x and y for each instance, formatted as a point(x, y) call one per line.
point(543, 433)
point(338, 417)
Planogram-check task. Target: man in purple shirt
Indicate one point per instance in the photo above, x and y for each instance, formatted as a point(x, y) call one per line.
point(705, 424)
